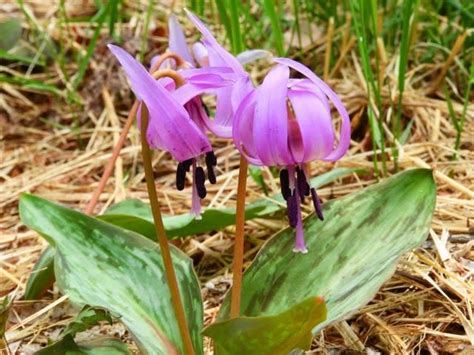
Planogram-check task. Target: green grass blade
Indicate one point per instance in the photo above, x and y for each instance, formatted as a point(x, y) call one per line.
point(237, 43)
point(269, 9)
point(84, 62)
point(224, 17)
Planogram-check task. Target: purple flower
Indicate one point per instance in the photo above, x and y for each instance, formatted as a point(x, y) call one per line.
point(211, 53)
point(287, 123)
point(176, 118)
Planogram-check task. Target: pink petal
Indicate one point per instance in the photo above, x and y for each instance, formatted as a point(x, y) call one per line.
point(308, 85)
point(243, 128)
point(177, 40)
point(270, 128)
point(218, 56)
point(214, 80)
point(345, 136)
point(314, 120)
point(169, 126)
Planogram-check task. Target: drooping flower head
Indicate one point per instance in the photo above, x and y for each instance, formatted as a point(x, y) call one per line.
point(175, 123)
point(210, 53)
point(287, 123)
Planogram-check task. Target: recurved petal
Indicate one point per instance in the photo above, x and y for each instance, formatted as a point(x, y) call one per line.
point(169, 123)
point(308, 85)
point(218, 56)
point(243, 128)
point(270, 128)
point(177, 40)
point(345, 132)
point(314, 121)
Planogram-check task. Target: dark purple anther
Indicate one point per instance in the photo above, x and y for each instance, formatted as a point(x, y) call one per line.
point(303, 185)
point(292, 209)
point(187, 164)
point(180, 176)
point(211, 159)
point(211, 162)
point(211, 175)
point(317, 204)
point(285, 183)
point(200, 178)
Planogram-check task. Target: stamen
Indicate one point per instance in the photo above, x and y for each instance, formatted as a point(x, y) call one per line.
point(285, 183)
point(200, 180)
point(187, 164)
point(211, 161)
point(211, 158)
point(317, 204)
point(303, 185)
point(292, 209)
point(180, 176)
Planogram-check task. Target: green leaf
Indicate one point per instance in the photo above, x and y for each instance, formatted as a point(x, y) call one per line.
point(42, 276)
point(67, 345)
point(351, 253)
point(106, 266)
point(11, 33)
point(255, 173)
point(87, 317)
point(136, 216)
point(104, 346)
point(277, 334)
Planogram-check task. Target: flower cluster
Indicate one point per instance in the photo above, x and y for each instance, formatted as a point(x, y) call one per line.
point(283, 122)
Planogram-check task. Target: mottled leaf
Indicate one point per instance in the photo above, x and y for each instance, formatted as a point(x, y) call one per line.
point(135, 215)
point(106, 266)
point(351, 253)
point(278, 334)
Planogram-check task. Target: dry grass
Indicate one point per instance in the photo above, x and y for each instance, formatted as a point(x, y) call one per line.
point(426, 307)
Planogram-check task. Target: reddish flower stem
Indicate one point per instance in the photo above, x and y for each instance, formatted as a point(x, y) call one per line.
point(111, 163)
point(238, 260)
